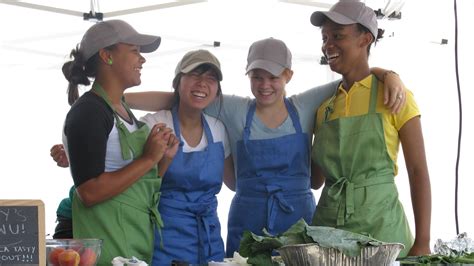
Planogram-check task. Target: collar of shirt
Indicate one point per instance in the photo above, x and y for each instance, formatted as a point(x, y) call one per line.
point(346, 96)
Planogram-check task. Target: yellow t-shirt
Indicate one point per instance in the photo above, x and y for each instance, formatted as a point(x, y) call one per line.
point(356, 102)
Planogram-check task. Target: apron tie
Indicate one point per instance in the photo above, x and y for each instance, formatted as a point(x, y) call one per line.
point(155, 215)
point(275, 194)
point(343, 191)
point(202, 221)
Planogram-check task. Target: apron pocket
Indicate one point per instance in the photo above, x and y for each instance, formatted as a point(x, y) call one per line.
point(139, 241)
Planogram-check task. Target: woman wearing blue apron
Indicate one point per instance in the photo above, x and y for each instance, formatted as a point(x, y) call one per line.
point(188, 204)
point(273, 180)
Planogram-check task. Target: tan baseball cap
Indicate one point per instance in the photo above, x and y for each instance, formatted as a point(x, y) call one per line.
point(195, 58)
point(111, 32)
point(269, 54)
point(346, 12)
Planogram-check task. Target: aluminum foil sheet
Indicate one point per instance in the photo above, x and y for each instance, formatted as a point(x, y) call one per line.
point(314, 255)
point(459, 246)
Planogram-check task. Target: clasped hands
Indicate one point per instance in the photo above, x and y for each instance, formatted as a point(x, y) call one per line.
point(161, 143)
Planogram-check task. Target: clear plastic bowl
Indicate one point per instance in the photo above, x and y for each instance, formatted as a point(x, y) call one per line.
point(73, 252)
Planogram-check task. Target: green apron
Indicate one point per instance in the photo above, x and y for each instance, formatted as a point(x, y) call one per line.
point(360, 194)
point(126, 221)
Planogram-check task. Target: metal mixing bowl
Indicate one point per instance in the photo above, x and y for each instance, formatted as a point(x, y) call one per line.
point(314, 255)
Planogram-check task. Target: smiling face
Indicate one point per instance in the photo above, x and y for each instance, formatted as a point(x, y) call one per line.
point(344, 46)
point(267, 88)
point(198, 88)
point(127, 64)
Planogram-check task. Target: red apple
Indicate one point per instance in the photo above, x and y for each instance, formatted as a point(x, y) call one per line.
point(53, 257)
point(69, 257)
point(88, 257)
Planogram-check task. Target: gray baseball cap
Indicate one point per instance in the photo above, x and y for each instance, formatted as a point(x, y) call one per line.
point(346, 12)
point(195, 58)
point(111, 32)
point(269, 54)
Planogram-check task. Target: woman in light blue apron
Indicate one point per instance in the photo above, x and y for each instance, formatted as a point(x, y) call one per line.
point(194, 175)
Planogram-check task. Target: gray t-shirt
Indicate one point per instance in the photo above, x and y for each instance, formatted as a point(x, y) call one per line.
point(233, 113)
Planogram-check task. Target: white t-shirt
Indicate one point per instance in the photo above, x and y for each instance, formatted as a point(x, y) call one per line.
point(218, 130)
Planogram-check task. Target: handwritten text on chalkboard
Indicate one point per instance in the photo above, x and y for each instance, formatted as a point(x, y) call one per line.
point(18, 235)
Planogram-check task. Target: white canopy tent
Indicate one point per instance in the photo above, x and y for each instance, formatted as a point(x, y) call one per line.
point(35, 42)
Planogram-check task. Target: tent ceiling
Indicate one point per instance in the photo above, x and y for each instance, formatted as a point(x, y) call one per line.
point(49, 31)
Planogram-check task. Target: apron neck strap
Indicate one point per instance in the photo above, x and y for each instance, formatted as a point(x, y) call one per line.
point(330, 107)
point(123, 132)
point(291, 112)
point(97, 88)
point(293, 115)
point(177, 130)
point(373, 95)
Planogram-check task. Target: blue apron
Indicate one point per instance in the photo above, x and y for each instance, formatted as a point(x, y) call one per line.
point(188, 204)
point(273, 183)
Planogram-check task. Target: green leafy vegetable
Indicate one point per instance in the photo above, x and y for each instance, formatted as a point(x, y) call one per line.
point(436, 259)
point(347, 242)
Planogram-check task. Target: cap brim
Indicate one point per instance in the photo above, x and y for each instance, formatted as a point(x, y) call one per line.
point(318, 17)
point(195, 65)
point(274, 68)
point(147, 43)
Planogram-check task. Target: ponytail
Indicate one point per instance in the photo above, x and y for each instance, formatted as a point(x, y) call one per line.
point(77, 72)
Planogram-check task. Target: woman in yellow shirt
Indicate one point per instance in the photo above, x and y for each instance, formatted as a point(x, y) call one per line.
point(357, 138)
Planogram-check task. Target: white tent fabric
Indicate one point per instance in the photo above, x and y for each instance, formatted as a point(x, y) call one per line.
point(34, 44)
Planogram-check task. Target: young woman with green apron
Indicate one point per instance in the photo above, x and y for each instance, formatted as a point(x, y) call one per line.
point(356, 150)
point(113, 157)
point(125, 222)
point(360, 194)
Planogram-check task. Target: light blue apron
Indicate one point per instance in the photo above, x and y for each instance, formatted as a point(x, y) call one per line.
point(273, 185)
point(188, 204)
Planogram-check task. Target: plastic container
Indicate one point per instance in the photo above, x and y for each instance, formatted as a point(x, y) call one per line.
point(83, 252)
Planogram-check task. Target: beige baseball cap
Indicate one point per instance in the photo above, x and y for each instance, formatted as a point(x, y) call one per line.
point(195, 58)
point(111, 32)
point(269, 54)
point(346, 12)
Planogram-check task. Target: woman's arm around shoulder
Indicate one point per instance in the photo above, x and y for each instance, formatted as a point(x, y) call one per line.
point(394, 89)
point(149, 100)
point(314, 97)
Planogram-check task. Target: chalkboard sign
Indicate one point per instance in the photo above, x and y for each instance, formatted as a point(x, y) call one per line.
point(22, 238)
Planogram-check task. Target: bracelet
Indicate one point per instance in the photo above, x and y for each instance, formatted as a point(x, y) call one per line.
point(388, 72)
